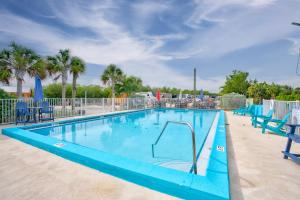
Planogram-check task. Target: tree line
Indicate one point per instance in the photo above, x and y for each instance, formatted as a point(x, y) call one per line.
point(17, 61)
point(238, 82)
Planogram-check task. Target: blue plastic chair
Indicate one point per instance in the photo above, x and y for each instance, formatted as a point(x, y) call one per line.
point(47, 110)
point(255, 111)
point(261, 119)
point(243, 110)
point(23, 113)
point(277, 129)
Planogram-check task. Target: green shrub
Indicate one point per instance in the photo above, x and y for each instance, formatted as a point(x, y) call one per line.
point(290, 97)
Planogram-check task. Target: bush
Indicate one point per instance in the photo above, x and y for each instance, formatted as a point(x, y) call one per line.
point(92, 91)
point(6, 105)
point(291, 97)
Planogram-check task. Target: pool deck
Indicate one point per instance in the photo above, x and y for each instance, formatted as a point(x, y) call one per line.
point(257, 171)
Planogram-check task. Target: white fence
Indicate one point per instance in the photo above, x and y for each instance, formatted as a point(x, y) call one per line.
point(94, 106)
point(74, 107)
point(281, 108)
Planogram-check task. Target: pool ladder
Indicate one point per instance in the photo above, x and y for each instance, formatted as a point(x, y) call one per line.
point(193, 141)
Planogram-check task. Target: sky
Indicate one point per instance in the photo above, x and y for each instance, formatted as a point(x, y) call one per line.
point(162, 41)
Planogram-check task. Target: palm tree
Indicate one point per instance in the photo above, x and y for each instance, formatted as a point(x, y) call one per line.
point(77, 67)
point(111, 76)
point(60, 65)
point(130, 85)
point(16, 62)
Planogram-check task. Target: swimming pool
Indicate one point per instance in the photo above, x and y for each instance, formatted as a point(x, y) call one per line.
point(122, 144)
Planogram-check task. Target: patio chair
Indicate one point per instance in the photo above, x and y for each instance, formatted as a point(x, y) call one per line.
point(261, 119)
point(243, 110)
point(277, 129)
point(46, 109)
point(23, 113)
point(256, 110)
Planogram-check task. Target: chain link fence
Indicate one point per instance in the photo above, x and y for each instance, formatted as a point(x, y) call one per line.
point(232, 101)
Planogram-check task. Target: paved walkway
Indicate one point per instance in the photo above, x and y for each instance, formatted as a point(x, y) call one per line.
point(257, 171)
point(30, 173)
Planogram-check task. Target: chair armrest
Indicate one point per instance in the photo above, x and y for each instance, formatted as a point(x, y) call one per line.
point(262, 116)
point(276, 120)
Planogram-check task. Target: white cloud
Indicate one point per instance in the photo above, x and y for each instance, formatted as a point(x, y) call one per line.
point(219, 10)
point(246, 28)
point(295, 48)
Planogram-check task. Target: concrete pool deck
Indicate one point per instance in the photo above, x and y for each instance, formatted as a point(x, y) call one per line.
point(257, 171)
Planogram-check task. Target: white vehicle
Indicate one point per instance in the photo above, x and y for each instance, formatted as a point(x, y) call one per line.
point(187, 96)
point(147, 95)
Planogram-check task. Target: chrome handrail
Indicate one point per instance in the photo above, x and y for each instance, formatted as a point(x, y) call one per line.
point(193, 141)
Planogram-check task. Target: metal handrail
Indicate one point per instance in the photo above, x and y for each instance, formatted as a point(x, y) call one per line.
point(193, 141)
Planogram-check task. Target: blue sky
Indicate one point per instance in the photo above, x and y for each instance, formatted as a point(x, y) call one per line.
point(162, 41)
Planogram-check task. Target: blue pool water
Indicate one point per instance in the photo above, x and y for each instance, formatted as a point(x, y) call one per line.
point(132, 135)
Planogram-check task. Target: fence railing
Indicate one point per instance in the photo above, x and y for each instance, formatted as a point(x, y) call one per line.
point(93, 106)
point(74, 106)
point(281, 108)
point(232, 102)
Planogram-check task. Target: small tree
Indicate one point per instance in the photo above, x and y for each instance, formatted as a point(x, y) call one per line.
point(129, 85)
point(111, 76)
point(236, 82)
point(259, 91)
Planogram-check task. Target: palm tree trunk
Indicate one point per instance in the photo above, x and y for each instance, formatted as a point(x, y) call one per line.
point(113, 95)
point(63, 90)
point(74, 91)
point(19, 87)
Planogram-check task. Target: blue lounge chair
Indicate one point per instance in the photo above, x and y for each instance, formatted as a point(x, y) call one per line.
point(255, 111)
point(261, 119)
point(23, 113)
point(46, 109)
point(277, 129)
point(240, 111)
point(243, 110)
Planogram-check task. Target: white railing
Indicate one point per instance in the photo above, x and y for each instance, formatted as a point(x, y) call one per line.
point(75, 107)
point(281, 108)
point(93, 106)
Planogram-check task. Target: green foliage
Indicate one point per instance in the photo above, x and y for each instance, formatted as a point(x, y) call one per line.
point(4, 105)
point(236, 82)
point(92, 91)
point(259, 91)
point(129, 85)
point(4, 95)
point(111, 76)
point(289, 97)
point(17, 61)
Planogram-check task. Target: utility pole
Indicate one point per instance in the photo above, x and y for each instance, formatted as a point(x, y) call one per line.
point(194, 100)
point(297, 24)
